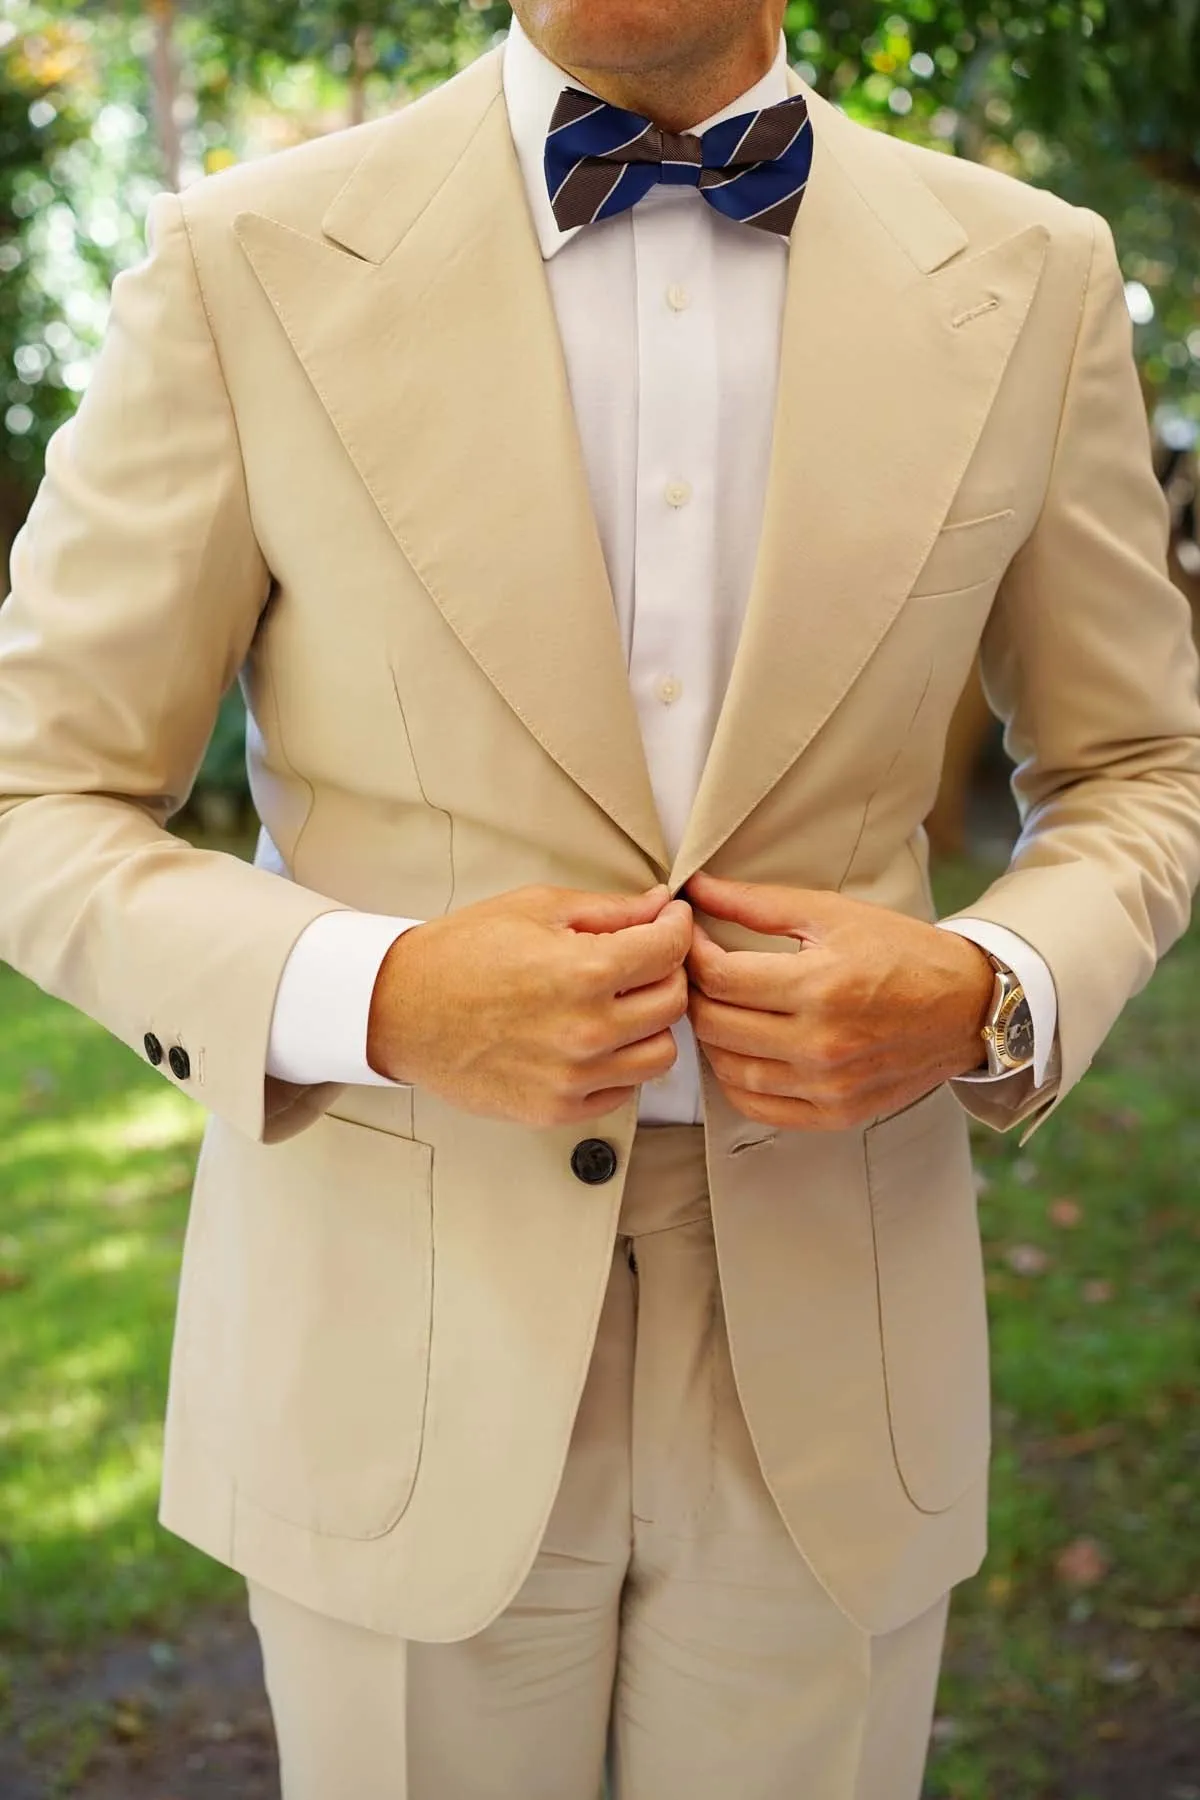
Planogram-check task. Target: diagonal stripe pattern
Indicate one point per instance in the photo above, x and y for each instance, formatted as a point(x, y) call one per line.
point(601, 160)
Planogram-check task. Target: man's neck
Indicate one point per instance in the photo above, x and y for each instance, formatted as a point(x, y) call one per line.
point(677, 99)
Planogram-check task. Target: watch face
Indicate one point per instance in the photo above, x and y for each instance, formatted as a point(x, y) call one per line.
point(1018, 1036)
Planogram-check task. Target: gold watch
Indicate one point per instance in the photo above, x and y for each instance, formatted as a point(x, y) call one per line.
point(1008, 1033)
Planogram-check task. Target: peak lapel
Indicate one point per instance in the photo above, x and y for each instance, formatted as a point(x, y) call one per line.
point(434, 349)
point(881, 402)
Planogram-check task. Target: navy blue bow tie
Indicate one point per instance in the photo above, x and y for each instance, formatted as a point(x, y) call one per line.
point(601, 160)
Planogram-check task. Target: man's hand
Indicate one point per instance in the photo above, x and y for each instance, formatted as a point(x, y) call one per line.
point(544, 1005)
point(876, 1010)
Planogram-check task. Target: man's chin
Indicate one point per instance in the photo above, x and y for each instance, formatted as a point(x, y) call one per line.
point(611, 37)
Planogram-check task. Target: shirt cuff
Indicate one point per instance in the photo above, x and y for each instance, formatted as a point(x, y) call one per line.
point(1030, 970)
point(323, 1004)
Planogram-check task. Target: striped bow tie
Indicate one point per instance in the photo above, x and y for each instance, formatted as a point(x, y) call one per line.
point(601, 160)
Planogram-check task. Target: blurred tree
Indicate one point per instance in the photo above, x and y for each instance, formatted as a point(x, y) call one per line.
point(1107, 76)
point(75, 180)
point(38, 120)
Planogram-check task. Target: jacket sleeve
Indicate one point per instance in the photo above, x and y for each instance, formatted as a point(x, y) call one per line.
point(1088, 659)
point(137, 585)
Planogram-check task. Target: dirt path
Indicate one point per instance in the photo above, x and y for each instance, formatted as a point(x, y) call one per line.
point(189, 1721)
point(146, 1721)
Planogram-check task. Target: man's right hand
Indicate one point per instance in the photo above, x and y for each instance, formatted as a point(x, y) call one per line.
point(545, 1005)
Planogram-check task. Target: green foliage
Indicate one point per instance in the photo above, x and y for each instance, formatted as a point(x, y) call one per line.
point(1110, 75)
point(76, 177)
point(39, 120)
point(421, 38)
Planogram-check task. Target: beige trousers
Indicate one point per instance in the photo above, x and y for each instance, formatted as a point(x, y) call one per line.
point(669, 1628)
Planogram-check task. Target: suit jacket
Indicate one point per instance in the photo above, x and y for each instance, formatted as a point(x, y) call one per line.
point(329, 444)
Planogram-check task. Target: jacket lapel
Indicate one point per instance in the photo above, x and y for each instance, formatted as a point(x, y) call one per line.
point(427, 329)
point(890, 362)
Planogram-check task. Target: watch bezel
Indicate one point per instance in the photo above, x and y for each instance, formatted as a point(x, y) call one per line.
point(1010, 997)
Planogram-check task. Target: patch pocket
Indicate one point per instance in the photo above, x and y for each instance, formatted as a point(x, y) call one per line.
point(932, 1308)
point(967, 555)
point(332, 1307)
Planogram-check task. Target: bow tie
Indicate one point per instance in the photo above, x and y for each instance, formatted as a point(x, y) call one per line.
point(601, 160)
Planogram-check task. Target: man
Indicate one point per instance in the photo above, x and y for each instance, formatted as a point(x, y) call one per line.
point(603, 504)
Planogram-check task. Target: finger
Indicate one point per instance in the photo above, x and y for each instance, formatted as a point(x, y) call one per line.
point(767, 1109)
point(644, 1061)
point(645, 1010)
point(786, 1114)
point(742, 1028)
point(763, 979)
point(833, 1107)
point(608, 912)
point(604, 1100)
point(804, 1114)
point(641, 954)
point(781, 911)
point(758, 1074)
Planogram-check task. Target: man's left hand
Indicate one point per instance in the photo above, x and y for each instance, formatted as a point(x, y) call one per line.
point(876, 1010)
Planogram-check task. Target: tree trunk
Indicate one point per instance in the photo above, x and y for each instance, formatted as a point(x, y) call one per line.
point(362, 61)
point(164, 80)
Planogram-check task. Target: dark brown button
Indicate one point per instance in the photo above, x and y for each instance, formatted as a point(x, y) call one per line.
point(594, 1161)
point(153, 1048)
point(181, 1064)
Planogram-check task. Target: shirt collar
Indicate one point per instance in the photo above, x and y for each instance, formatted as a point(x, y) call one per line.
point(532, 85)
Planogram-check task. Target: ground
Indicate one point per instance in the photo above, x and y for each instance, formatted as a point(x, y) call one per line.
point(127, 1671)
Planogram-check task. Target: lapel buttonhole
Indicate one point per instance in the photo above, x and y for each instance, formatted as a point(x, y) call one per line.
point(976, 312)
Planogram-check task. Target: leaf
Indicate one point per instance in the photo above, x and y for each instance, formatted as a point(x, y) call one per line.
point(1083, 1564)
point(128, 1723)
point(1121, 1671)
point(1077, 1443)
point(1027, 1259)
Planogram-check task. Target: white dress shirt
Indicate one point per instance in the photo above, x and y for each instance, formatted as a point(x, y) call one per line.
point(670, 317)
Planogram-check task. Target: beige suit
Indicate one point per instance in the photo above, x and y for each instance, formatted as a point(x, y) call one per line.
point(330, 442)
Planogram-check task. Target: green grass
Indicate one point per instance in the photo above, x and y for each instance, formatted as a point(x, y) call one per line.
point(1096, 1375)
point(96, 1158)
point(1095, 1358)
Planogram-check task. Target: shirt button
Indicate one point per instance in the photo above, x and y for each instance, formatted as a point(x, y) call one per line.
point(677, 297)
point(678, 493)
point(669, 689)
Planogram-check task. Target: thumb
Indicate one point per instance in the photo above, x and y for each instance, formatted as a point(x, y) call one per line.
point(611, 912)
point(804, 913)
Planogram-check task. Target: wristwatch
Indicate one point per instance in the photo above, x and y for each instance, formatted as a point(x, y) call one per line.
point(1008, 1033)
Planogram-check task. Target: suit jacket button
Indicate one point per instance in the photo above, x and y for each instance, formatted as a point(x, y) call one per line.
point(181, 1066)
point(594, 1161)
point(153, 1048)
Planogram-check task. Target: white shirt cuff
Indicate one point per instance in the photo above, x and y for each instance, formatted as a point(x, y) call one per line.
point(323, 1006)
point(1030, 970)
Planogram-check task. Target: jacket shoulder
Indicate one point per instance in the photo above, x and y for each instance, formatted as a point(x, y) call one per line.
point(294, 186)
point(297, 186)
point(990, 204)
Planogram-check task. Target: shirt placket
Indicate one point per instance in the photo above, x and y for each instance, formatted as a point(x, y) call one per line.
point(674, 632)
